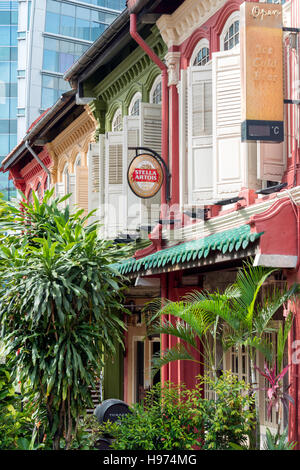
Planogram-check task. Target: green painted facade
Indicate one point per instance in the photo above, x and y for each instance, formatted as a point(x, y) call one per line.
point(115, 90)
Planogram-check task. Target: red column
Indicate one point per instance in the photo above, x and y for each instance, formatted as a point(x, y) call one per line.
point(294, 371)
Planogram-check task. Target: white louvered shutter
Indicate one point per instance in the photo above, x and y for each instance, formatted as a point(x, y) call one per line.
point(229, 161)
point(133, 203)
point(150, 137)
point(183, 137)
point(270, 161)
point(114, 191)
point(72, 190)
point(82, 179)
point(60, 192)
point(93, 159)
point(200, 157)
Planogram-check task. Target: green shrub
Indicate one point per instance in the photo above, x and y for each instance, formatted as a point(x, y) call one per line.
point(173, 418)
point(229, 418)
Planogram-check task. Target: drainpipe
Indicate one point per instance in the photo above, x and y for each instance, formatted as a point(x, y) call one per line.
point(38, 160)
point(165, 98)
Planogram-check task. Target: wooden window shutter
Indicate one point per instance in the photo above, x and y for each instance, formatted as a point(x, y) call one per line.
point(72, 191)
point(115, 159)
point(115, 185)
point(133, 203)
point(82, 188)
point(96, 172)
point(151, 138)
point(270, 161)
point(183, 136)
point(229, 162)
point(200, 153)
point(151, 126)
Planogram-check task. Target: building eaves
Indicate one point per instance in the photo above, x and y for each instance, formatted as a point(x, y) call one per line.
point(47, 119)
point(229, 241)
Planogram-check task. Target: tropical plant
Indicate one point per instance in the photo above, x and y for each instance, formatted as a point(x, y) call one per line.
point(175, 418)
point(278, 441)
point(228, 419)
point(245, 320)
point(16, 420)
point(60, 305)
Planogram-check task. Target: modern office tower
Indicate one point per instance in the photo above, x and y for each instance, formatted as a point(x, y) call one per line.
point(8, 86)
point(52, 34)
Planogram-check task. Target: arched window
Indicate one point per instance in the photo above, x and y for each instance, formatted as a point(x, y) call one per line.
point(200, 55)
point(30, 197)
point(156, 91)
point(66, 179)
point(117, 122)
point(78, 160)
point(135, 105)
point(230, 36)
point(39, 191)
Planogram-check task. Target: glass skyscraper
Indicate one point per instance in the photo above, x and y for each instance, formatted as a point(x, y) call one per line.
point(39, 41)
point(8, 86)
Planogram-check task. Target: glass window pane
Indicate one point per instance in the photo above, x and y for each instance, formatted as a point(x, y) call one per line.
point(5, 35)
point(5, 17)
point(50, 60)
point(49, 81)
point(13, 36)
point(4, 71)
point(14, 17)
point(51, 44)
point(48, 97)
point(12, 140)
point(4, 144)
point(67, 26)
point(52, 23)
point(67, 9)
point(4, 108)
point(12, 126)
point(12, 89)
point(53, 6)
point(97, 29)
point(14, 53)
point(13, 72)
point(5, 53)
point(83, 29)
point(83, 13)
point(13, 108)
point(4, 126)
point(65, 62)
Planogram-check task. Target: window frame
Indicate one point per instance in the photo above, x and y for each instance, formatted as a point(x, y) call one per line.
point(156, 82)
point(117, 127)
point(203, 43)
point(235, 16)
point(137, 98)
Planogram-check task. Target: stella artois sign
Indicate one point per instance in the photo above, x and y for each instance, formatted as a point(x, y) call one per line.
point(145, 176)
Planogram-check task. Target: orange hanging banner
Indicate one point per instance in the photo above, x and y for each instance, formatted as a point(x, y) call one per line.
point(261, 43)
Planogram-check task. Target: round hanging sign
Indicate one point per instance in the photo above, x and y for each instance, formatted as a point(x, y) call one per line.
point(145, 176)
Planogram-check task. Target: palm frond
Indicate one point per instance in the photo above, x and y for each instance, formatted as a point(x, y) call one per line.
point(177, 353)
point(180, 330)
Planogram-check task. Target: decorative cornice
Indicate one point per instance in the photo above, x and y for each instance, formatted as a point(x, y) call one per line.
point(74, 134)
point(176, 28)
point(129, 70)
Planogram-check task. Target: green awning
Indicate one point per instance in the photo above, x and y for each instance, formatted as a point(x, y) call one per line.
point(235, 239)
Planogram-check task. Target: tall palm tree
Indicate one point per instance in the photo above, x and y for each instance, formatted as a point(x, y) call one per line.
point(201, 315)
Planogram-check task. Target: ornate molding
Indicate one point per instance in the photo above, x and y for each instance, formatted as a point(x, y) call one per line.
point(176, 28)
point(84, 126)
point(173, 64)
